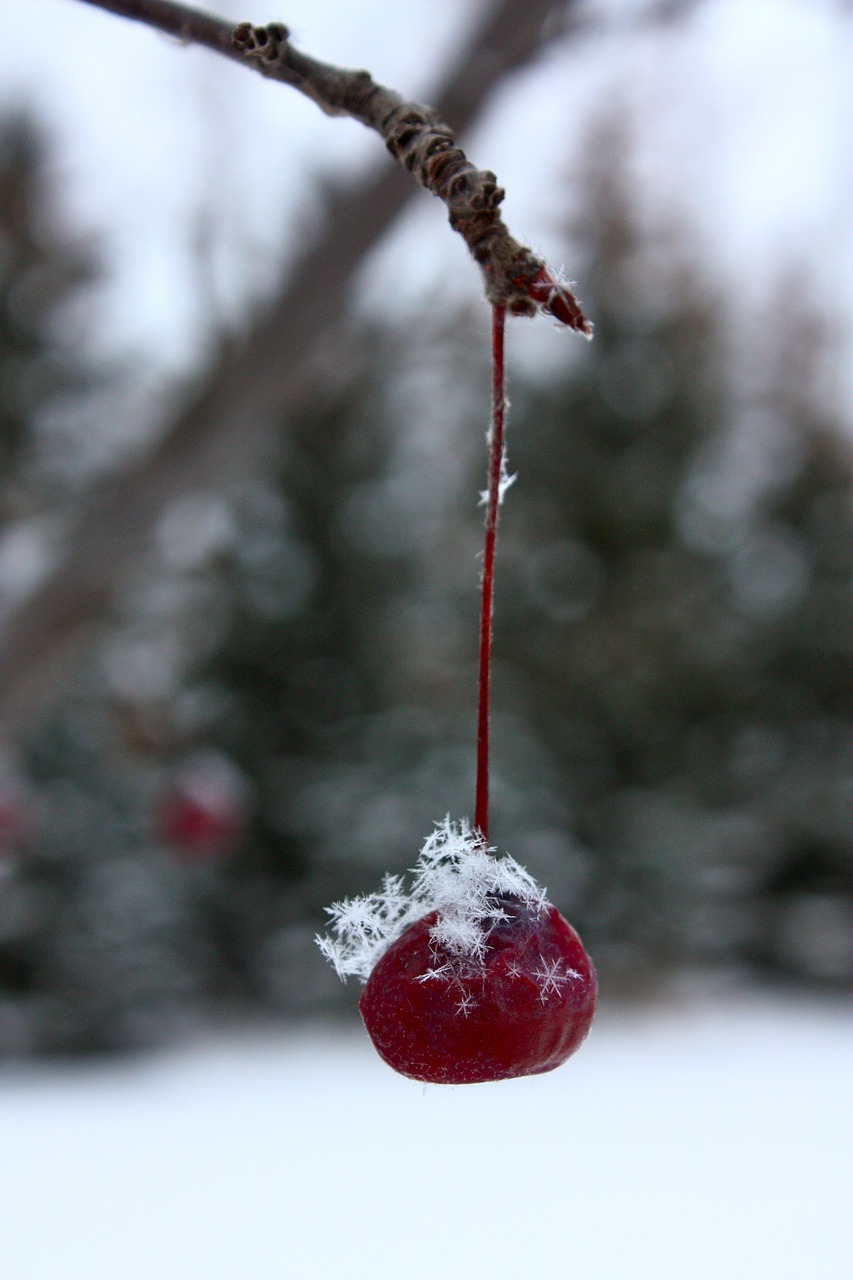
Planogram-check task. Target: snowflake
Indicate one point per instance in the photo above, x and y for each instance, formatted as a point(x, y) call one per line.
point(362, 925)
point(505, 482)
point(552, 977)
point(456, 876)
point(466, 1004)
point(435, 973)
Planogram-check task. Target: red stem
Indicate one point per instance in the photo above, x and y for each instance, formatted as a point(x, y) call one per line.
point(496, 453)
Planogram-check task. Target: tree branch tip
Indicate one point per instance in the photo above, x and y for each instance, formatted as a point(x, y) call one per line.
point(514, 277)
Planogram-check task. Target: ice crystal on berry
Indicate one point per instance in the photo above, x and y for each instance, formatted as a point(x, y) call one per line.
point(458, 877)
point(471, 974)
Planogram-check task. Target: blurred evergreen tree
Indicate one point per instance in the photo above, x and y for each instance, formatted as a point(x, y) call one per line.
point(673, 705)
point(675, 618)
point(95, 948)
point(325, 552)
point(287, 700)
point(42, 271)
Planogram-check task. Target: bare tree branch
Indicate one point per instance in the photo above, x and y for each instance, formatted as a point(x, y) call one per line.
point(229, 425)
point(415, 135)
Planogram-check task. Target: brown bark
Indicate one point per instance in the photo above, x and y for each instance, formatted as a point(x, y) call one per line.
point(513, 276)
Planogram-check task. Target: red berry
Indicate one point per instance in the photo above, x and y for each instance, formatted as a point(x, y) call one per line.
point(521, 1007)
point(204, 815)
point(16, 813)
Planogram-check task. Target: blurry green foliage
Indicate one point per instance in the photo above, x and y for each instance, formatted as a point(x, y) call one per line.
point(673, 702)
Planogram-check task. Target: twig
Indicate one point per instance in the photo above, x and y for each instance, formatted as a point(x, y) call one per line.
point(416, 136)
point(514, 277)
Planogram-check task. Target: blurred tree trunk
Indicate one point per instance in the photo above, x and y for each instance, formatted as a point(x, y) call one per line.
point(228, 425)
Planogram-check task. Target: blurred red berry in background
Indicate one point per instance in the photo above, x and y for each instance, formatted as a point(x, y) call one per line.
point(204, 812)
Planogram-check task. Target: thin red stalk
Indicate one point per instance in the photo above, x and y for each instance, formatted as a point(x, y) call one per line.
point(496, 453)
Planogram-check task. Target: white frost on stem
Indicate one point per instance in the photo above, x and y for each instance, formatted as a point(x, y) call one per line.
point(457, 876)
point(506, 481)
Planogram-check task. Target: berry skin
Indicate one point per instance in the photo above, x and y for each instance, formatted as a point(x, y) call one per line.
point(521, 1007)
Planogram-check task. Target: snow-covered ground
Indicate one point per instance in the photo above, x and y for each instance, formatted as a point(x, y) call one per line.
point(708, 1140)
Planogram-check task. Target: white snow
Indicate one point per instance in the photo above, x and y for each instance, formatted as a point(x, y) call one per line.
point(457, 876)
point(706, 1141)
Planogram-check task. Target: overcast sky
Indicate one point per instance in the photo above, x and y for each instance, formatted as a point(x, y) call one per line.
point(743, 117)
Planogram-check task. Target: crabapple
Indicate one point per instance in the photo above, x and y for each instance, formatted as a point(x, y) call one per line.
point(203, 814)
point(521, 1006)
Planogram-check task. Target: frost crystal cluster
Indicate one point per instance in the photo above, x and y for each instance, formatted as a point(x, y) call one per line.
point(456, 876)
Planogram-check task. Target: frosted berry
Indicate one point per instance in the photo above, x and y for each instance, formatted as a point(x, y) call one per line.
point(471, 974)
point(521, 1008)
